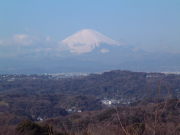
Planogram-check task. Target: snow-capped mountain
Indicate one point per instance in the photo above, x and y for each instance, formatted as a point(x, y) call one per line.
point(86, 40)
point(90, 51)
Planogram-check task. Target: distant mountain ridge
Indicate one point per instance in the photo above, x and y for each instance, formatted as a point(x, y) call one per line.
point(90, 51)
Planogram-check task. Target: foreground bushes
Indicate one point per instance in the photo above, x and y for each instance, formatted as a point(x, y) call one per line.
point(30, 128)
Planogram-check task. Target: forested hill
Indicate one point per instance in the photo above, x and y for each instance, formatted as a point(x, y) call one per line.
point(42, 97)
point(114, 84)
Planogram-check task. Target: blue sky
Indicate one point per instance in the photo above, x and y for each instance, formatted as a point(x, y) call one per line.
point(153, 25)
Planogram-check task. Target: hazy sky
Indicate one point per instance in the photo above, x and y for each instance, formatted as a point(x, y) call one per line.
point(153, 25)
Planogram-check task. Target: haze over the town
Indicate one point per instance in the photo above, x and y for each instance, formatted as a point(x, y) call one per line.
point(89, 36)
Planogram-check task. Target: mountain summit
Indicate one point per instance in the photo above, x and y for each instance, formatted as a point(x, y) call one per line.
point(86, 40)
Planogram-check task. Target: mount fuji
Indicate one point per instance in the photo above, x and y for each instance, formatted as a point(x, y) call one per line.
point(86, 41)
point(93, 51)
point(94, 47)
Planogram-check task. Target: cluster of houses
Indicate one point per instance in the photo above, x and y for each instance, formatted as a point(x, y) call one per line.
point(73, 110)
point(110, 102)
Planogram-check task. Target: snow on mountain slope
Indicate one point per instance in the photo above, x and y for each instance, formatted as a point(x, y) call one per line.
point(86, 40)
